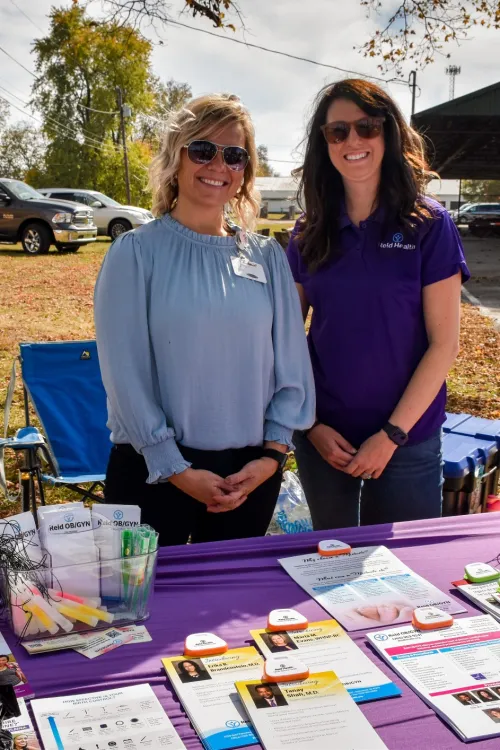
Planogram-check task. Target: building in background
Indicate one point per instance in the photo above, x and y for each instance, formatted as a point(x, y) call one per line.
point(279, 194)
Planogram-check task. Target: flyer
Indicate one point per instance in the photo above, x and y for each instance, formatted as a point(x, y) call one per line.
point(316, 713)
point(455, 670)
point(367, 588)
point(326, 646)
point(123, 718)
point(481, 594)
point(12, 674)
point(205, 686)
point(22, 730)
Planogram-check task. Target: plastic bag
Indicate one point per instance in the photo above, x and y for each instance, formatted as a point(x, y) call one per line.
point(291, 515)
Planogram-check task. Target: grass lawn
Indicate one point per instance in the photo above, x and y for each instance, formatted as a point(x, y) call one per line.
point(49, 298)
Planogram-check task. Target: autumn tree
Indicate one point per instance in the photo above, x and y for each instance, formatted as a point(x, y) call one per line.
point(79, 65)
point(265, 169)
point(411, 31)
point(417, 30)
point(167, 97)
point(22, 152)
point(4, 114)
point(481, 190)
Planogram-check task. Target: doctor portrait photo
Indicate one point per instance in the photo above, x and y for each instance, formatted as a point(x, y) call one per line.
point(267, 696)
point(191, 670)
point(279, 642)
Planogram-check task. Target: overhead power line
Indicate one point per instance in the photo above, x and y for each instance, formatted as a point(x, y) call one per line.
point(99, 111)
point(17, 62)
point(288, 54)
point(28, 17)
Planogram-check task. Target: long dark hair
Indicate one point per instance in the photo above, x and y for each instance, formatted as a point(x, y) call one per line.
point(183, 669)
point(405, 171)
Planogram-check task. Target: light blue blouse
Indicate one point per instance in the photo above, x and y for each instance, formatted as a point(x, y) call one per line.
point(191, 353)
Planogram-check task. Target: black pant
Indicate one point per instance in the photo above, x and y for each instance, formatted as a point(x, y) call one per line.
point(177, 516)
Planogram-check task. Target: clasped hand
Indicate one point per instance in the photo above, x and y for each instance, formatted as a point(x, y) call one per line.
point(219, 494)
point(369, 461)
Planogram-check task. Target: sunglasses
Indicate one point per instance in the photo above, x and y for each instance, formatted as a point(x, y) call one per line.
point(203, 152)
point(366, 127)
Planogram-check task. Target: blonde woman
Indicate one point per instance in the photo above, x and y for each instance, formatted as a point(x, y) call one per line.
point(201, 341)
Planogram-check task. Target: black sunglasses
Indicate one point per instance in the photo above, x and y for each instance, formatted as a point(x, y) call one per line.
point(366, 127)
point(203, 152)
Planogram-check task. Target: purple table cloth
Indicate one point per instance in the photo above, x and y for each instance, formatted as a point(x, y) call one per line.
point(228, 588)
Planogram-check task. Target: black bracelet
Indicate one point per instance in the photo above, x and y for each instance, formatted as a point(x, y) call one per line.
point(305, 433)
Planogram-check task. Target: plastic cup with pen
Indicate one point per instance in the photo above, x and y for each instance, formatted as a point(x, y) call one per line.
point(139, 553)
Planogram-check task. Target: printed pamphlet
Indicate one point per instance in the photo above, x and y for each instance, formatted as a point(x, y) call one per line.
point(368, 588)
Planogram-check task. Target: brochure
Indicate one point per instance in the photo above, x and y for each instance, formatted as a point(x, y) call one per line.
point(12, 674)
point(481, 594)
point(316, 713)
point(326, 646)
point(205, 687)
point(22, 730)
point(455, 670)
point(368, 588)
point(123, 718)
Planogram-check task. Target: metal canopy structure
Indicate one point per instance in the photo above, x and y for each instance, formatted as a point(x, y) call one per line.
point(464, 135)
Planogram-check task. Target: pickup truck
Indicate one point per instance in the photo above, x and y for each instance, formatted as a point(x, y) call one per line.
point(37, 222)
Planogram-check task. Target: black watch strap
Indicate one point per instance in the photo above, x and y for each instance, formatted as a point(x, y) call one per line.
point(278, 456)
point(396, 434)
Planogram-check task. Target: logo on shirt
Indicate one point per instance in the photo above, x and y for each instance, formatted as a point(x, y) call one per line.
point(398, 243)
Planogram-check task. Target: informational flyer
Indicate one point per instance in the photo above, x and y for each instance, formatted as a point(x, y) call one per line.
point(326, 646)
point(455, 670)
point(12, 674)
point(205, 687)
point(127, 717)
point(316, 713)
point(22, 730)
point(368, 588)
point(481, 594)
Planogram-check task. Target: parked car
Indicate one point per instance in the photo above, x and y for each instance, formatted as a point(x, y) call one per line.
point(29, 217)
point(483, 219)
point(111, 218)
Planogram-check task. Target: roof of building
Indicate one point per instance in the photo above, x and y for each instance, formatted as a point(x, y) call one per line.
point(464, 135)
point(278, 184)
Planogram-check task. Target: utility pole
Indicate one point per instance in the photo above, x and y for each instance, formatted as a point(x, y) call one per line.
point(453, 71)
point(124, 110)
point(412, 83)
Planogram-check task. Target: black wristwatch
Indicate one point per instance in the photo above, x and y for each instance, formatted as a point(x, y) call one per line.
point(278, 456)
point(396, 434)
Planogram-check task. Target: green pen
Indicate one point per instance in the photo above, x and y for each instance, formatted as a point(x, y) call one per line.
point(127, 548)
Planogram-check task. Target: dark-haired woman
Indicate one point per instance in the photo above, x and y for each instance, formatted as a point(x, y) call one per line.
point(381, 266)
point(190, 671)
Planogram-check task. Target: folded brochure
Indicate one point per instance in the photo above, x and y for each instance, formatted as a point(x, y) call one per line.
point(22, 729)
point(124, 717)
point(12, 674)
point(326, 646)
point(205, 687)
point(481, 594)
point(368, 588)
point(316, 713)
point(456, 671)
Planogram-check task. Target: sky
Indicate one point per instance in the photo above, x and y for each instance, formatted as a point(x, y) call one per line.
point(278, 91)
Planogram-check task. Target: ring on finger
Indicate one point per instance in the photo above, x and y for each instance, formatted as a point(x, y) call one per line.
point(366, 476)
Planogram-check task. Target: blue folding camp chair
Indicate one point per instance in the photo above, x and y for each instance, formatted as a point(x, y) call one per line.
point(62, 382)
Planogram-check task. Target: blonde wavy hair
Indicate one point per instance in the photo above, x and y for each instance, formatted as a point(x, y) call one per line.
point(197, 120)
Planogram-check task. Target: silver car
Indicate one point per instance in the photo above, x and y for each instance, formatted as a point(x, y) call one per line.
point(110, 217)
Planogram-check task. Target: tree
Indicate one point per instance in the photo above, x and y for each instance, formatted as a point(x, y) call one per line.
point(22, 152)
point(417, 30)
point(167, 97)
point(134, 12)
point(79, 65)
point(481, 190)
point(4, 113)
point(265, 169)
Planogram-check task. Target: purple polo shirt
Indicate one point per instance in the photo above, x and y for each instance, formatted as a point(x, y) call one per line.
point(368, 334)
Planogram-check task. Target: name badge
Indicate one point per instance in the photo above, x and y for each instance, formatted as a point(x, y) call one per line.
point(247, 269)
